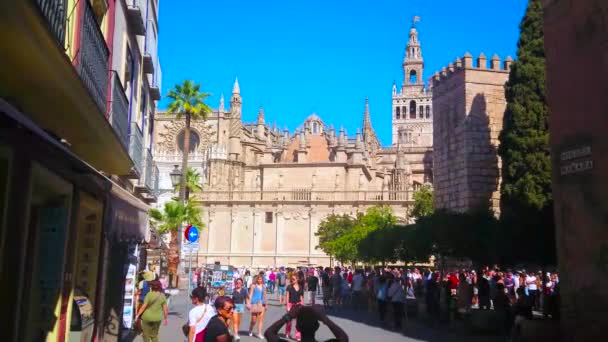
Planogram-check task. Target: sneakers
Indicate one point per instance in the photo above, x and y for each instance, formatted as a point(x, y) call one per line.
point(250, 334)
point(260, 336)
point(237, 337)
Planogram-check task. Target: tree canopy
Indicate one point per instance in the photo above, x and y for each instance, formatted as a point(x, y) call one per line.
point(526, 196)
point(423, 202)
point(174, 214)
point(187, 99)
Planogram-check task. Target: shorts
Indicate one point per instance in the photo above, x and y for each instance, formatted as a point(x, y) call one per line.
point(281, 290)
point(239, 308)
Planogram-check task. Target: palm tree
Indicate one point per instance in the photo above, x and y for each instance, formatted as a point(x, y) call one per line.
point(169, 220)
point(187, 100)
point(193, 182)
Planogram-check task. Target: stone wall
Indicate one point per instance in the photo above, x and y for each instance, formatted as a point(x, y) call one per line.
point(468, 104)
point(256, 234)
point(577, 64)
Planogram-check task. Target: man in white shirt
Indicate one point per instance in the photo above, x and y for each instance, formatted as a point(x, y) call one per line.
point(532, 288)
point(357, 289)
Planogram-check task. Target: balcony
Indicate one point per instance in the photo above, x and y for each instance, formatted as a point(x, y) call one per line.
point(136, 13)
point(148, 184)
point(92, 59)
point(55, 13)
point(155, 87)
point(119, 110)
point(150, 50)
point(41, 76)
point(307, 196)
point(136, 150)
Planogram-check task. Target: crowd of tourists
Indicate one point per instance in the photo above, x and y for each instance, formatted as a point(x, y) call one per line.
point(394, 294)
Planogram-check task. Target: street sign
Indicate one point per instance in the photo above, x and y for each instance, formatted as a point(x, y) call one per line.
point(191, 247)
point(193, 234)
point(186, 232)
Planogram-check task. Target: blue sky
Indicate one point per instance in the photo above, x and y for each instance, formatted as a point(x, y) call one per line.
point(300, 57)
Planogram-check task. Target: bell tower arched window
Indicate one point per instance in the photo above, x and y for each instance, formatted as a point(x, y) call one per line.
point(421, 112)
point(413, 77)
point(315, 128)
point(398, 113)
point(412, 109)
point(404, 112)
point(428, 112)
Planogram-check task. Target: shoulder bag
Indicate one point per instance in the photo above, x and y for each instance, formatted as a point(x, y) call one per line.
point(186, 327)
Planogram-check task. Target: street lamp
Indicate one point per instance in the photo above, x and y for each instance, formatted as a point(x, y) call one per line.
point(176, 175)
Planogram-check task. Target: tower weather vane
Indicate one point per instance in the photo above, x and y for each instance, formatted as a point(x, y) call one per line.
point(415, 19)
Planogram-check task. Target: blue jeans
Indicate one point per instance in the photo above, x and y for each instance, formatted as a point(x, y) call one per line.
point(270, 286)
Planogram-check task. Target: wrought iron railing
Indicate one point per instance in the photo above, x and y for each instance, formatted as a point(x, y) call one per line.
point(137, 16)
point(119, 110)
point(304, 195)
point(156, 176)
point(151, 47)
point(55, 13)
point(93, 58)
point(148, 179)
point(136, 147)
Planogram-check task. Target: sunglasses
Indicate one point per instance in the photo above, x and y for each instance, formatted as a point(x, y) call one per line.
point(228, 309)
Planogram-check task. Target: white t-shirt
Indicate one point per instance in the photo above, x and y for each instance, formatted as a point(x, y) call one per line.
point(531, 283)
point(195, 316)
point(357, 282)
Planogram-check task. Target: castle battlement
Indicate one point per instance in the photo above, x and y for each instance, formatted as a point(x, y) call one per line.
point(465, 63)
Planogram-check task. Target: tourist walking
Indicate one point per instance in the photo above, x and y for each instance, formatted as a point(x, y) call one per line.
point(336, 285)
point(281, 284)
point(239, 296)
point(312, 282)
point(295, 296)
point(381, 296)
point(199, 316)
point(397, 295)
point(257, 305)
point(326, 286)
point(152, 311)
point(217, 329)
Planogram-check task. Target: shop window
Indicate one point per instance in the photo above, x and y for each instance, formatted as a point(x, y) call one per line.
point(269, 217)
point(49, 219)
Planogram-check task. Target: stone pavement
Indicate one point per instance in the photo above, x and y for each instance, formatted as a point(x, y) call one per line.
point(360, 326)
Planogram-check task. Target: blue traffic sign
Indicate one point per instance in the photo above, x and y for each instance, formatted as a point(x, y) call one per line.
point(193, 234)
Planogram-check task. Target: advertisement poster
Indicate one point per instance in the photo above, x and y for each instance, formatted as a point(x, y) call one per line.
point(128, 305)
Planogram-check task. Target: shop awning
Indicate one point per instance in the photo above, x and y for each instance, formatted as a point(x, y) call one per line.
point(128, 216)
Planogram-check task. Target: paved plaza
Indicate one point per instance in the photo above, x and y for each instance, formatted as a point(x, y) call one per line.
point(360, 326)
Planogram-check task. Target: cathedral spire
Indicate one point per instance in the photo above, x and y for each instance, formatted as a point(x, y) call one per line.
point(236, 89)
point(367, 122)
point(261, 115)
point(221, 104)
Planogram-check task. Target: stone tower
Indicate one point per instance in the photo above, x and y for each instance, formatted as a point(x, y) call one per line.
point(236, 124)
point(412, 105)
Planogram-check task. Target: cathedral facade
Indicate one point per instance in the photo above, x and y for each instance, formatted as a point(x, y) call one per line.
point(266, 190)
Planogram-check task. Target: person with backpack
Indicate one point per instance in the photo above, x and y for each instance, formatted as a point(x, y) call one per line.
point(281, 284)
point(143, 287)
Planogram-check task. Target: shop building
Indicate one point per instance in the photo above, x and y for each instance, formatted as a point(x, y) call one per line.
point(79, 81)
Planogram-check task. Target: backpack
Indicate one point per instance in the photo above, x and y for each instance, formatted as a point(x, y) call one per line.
point(144, 291)
point(282, 279)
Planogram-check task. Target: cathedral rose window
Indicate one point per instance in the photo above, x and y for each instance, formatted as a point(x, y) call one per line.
point(194, 141)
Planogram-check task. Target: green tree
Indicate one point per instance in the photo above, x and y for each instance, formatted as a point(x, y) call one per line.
point(423, 202)
point(173, 215)
point(188, 101)
point(330, 229)
point(526, 197)
point(193, 182)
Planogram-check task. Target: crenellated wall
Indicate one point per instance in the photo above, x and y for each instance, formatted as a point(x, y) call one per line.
point(468, 106)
